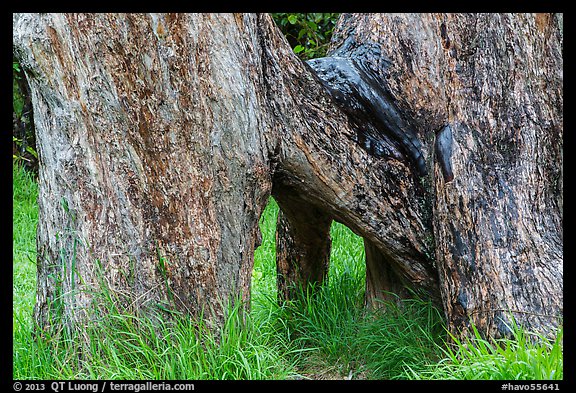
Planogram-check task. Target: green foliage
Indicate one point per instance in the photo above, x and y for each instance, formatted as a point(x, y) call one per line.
point(308, 34)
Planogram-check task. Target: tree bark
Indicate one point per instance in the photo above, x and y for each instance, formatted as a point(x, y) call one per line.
point(486, 92)
point(302, 247)
point(148, 165)
point(437, 138)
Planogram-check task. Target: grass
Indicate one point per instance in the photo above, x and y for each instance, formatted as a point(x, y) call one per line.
point(322, 334)
point(25, 218)
point(519, 358)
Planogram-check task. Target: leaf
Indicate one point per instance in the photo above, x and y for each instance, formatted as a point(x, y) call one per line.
point(30, 150)
point(298, 48)
point(293, 19)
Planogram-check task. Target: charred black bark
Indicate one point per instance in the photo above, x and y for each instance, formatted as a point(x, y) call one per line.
point(381, 129)
point(443, 151)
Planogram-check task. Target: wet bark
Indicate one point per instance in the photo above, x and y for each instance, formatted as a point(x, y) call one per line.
point(437, 138)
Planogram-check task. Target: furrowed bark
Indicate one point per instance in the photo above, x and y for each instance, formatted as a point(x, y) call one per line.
point(152, 162)
point(486, 92)
point(437, 138)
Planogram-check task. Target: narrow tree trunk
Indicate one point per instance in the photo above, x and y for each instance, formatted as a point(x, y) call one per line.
point(302, 246)
point(437, 138)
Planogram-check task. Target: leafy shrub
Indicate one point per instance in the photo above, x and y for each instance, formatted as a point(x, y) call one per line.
point(308, 34)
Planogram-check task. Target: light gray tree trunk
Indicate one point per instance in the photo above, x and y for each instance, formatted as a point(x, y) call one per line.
point(437, 138)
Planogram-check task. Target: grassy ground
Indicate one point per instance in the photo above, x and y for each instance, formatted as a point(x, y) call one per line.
point(25, 217)
point(324, 334)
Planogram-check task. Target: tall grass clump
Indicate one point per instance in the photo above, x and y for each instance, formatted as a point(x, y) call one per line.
point(522, 356)
point(122, 344)
point(401, 336)
point(337, 338)
point(180, 347)
point(117, 342)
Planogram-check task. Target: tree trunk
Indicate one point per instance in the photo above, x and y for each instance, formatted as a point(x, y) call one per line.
point(437, 138)
point(302, 246)
point(485, 91)
point(152, 156)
